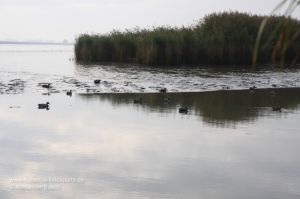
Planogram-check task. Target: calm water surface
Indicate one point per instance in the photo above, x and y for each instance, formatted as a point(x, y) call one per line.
point(230, 144)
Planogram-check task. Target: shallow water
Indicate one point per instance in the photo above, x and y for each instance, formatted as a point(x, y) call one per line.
point(30, 65)
point(230, 144)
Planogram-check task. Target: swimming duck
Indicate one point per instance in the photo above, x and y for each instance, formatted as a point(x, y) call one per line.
point(44, 106)
point(277, 108)
point(226, 87)
point(97, 81)
point(47, 85)
point(183, 110)
point(163, 90)
point(138, 101)
point(69, 93)
point(252, 88)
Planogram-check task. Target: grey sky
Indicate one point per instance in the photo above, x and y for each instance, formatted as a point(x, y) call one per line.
point(64, 19)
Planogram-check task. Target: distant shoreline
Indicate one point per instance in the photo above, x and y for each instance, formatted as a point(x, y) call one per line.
point(35, 43)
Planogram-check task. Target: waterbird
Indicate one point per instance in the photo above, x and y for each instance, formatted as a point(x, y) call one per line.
point(277, 108)
point(226, 87)
point(252, 88)
point(69, 93)
point(138, 101)
point(183, 110)
point(97, 81)
point(46, 85)
point(44, 106)
point(163, 90)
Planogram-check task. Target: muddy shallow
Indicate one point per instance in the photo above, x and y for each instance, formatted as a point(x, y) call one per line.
point(99, 143)
point(28, 66)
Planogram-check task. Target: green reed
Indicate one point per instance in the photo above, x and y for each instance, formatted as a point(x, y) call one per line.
point(219, 39)
point(284, 33)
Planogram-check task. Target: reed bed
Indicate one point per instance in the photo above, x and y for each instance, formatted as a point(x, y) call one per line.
point(226, 38)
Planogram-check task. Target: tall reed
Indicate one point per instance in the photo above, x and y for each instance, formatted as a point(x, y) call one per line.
point(219, 39)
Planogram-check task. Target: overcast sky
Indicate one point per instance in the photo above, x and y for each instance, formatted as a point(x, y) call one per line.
point(65, 19)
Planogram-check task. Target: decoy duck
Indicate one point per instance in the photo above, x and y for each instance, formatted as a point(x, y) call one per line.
point(277, 108)
point(183, 110)
point(138, 101)
point(97, 81)
point(252, 88)
point(44, 106)
point(163, 90)
point(69, 93)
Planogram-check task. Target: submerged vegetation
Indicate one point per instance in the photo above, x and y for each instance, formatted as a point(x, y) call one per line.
point(218, 39)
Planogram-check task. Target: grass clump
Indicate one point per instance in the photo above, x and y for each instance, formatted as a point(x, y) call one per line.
point(219, 39)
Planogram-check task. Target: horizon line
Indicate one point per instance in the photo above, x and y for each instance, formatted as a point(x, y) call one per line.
point(35, 42)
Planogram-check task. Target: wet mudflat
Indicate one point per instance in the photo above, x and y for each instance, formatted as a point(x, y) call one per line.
point(23, 68)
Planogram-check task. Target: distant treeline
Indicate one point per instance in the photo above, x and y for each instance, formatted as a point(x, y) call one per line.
point(218, 39)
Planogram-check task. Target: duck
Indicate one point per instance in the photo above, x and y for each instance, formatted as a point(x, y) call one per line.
point(163, 90)
point(69, 93)
point(277, 108)
point(47, 85)
point(44, 106)
point(226, 87)
point(138, 101)
point(97, 81)
point(183, 110)
point(252, 88)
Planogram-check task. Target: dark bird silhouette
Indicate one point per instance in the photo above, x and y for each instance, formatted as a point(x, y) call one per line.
point(97, 81)
point(69, 93)
point(183, 110)
point(47, 85)
point(277, 108)
point(252, 88)
point(163, 90)
point(44, 106)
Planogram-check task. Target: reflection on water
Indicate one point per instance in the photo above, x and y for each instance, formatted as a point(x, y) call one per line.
point(230, 145)
point(216, 108)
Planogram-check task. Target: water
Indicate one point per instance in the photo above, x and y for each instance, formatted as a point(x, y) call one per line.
point(29, 65)
point(231, 144)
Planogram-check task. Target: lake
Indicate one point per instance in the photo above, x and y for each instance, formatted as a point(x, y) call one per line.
point(99, 144)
